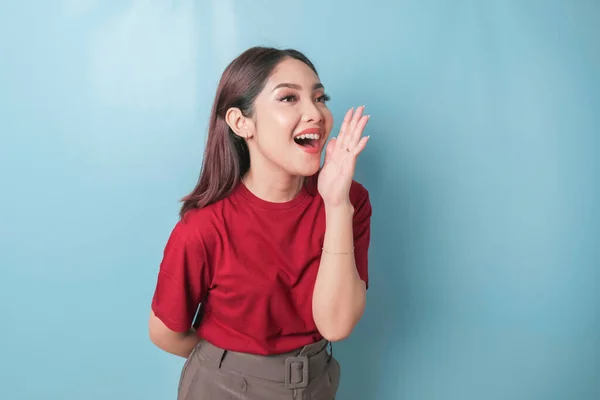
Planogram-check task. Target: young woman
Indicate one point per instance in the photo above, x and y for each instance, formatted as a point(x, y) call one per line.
point(272, 247)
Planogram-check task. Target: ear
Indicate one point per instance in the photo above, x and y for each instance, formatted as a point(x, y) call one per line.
point(240, 125)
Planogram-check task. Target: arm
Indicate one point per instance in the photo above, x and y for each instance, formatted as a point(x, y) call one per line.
point(182, 284)
point(339, 296)
point(178, 343)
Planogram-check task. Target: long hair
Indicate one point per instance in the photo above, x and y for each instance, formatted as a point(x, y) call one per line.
point(226, 156)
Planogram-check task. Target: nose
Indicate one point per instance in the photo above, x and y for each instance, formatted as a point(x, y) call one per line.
point(311, 113)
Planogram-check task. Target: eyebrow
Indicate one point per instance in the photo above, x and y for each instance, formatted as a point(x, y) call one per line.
point(316, 86)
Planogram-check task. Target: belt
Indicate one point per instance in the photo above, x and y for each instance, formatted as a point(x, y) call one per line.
point(295, 369)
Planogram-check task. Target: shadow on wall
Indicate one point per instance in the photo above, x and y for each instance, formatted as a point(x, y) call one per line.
point(374, 357)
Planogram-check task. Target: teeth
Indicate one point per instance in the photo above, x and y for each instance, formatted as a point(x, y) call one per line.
point(314, 136)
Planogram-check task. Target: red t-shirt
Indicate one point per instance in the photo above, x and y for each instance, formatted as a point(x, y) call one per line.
point(253, 265)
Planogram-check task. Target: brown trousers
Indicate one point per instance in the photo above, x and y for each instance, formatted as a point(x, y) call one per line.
point(211, 373)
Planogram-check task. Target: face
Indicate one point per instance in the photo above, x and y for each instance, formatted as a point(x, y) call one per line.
point(291, 121)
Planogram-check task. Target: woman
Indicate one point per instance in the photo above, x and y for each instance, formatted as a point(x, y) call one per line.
point(272, 246)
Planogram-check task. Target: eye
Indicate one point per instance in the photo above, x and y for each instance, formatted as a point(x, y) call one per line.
point(323, 98)
point(288, 99)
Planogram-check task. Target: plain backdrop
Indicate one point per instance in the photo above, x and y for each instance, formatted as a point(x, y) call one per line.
point(483, 168)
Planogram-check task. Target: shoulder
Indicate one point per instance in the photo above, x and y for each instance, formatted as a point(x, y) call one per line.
point(359, 195)
point(196, 225)
point(197, 216)
point(359, 198)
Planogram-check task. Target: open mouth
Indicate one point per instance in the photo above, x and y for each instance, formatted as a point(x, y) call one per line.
point(308, 140)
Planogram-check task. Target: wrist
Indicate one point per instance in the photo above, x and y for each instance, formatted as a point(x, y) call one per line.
point(342, 209)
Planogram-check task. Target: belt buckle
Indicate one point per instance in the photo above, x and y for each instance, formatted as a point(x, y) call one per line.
point(288, 372)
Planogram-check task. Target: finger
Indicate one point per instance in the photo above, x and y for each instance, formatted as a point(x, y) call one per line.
point(356, 135)
point(355, 119)
point(329, 149)
point(345, 125)
point(360, 146)
point(357, 116)
point(346, 121)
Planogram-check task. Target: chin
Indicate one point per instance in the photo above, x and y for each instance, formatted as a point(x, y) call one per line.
point(309, 170)
point(307, 164)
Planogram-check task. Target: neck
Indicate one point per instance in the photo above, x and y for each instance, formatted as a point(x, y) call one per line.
point(272, 185)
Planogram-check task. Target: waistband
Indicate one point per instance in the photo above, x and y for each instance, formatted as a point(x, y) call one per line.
point(295, 369)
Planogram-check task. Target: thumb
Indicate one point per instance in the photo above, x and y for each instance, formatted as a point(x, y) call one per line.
point(329, 149)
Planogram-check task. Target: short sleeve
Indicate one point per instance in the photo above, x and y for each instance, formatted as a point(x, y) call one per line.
point(183, 279)
point(361, 229)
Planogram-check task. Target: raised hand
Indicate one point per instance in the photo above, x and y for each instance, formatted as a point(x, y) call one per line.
point(341, 153)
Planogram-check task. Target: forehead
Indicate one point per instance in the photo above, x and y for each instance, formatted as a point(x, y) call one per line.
point(293, 71)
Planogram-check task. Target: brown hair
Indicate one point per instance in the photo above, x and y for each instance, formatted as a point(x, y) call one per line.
point(226, 157)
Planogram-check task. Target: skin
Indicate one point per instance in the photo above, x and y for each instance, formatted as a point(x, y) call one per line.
point(293, 100)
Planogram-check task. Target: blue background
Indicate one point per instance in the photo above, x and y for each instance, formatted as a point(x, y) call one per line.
point(483, 167)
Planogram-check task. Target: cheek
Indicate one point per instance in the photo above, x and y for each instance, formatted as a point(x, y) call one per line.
point(275, 128)
point(328, 117)
point(286, 120)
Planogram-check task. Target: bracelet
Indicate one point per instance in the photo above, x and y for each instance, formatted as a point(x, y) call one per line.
point(330, 252)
